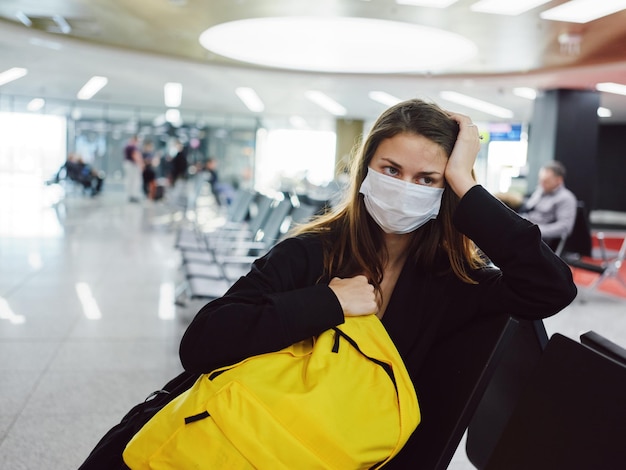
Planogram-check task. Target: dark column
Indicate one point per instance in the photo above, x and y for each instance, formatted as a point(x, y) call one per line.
point(349, 132)
point(565, 128)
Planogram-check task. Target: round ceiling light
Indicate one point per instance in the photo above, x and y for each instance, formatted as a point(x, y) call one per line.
point(351, 45)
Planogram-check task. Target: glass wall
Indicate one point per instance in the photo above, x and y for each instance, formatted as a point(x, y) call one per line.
point(98, 133)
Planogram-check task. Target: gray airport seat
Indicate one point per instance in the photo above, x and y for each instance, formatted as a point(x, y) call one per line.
point(209, 274)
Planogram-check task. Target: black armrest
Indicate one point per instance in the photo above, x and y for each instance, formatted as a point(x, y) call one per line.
point(607, 348)
point(577, 263)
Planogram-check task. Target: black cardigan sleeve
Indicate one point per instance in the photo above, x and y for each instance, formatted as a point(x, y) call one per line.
point(531, 280)
point(278, 303)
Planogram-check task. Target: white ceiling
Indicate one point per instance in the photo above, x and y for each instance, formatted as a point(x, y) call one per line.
point(141, 44)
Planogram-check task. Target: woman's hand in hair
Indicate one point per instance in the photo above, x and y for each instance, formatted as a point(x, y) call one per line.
point(355, 294)
point(458, 171)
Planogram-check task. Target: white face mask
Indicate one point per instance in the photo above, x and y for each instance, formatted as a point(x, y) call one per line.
point(398, 206)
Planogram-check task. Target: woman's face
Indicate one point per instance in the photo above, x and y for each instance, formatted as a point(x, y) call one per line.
point(411, 158)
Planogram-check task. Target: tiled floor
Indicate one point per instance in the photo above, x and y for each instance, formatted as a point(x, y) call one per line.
point(88, 327)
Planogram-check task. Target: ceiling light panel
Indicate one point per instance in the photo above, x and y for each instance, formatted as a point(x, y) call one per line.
point(476, 104)
point(350, 45)
point(427, 3)
point(24, 19)
point(35, 104)
point(610, 87)
point(12, 74)
point(62, 23)
point(583, 11)
point(173, 94)
point(326, 102)
point(525, 92)
point(499, 7)
point(250, 99)
point(93, 86)
point(384, 98)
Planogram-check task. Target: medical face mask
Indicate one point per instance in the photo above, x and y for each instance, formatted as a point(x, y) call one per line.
point(398, 206)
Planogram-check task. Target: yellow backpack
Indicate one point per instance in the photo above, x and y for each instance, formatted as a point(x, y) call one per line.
point(341, 401)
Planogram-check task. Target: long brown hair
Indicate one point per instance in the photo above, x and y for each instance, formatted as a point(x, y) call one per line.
point(354, 242)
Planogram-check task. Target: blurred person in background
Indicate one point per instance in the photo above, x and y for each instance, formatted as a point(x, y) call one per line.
point(551, 206)
point(133, 167)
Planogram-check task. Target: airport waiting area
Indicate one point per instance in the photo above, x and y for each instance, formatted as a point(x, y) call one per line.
point(95, 293)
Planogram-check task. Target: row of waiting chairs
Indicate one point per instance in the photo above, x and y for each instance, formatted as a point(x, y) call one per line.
point(576, 250)
point(212, 260)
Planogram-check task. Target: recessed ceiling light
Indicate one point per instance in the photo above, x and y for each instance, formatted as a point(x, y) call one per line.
point(384, 98)
point(610, 87)
point(477, 104)
point(24, 19)
point(93, 86)
point(35, 104)
point(351, 45)
point(12, 74)
point(62, 23)
point(525, 92)
point(173, 94)
point(583, 11)
point(498, 7)
point(326, 102)
point(427, 3)
point(604, 112)
point(250, 99)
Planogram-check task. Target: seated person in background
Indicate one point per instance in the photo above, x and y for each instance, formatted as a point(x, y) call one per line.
point(77, 170)
point(551, 206)
point(70, 169)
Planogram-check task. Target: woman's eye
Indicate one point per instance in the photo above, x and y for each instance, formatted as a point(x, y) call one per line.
point(391, 171)
point(426, 180)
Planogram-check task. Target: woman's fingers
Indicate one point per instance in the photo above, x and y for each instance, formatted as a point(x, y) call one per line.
point(355, 294)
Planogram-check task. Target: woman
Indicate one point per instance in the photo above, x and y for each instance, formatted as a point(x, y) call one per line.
point(403, 246)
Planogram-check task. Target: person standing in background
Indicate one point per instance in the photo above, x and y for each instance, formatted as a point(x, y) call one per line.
point(133, 167)
point(179, 164)
point(178, 174)
point(213, 179)
point(148, 175)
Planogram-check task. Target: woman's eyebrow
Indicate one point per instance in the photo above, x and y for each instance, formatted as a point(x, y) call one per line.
point(420, 173)
point(390, 161)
